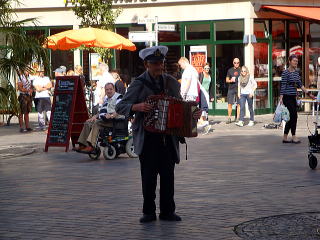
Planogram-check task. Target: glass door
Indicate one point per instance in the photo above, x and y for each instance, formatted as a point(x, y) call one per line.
point(194, 58)
point(261, 75)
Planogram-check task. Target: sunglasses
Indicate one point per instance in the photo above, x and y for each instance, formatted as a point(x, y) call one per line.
point(236, 62)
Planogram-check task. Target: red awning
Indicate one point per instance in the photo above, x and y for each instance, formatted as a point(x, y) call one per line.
point(312, 13)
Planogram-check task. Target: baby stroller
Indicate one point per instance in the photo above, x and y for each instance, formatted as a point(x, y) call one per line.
point(314, 140)
point(115, 140)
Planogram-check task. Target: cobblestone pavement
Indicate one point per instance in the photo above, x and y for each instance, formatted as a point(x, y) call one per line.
point(232, 176)
point(293, 226)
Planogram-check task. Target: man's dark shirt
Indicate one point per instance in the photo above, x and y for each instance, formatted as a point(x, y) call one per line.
point(233, 72)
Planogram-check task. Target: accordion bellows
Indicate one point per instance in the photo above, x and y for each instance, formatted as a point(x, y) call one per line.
point(171, 116)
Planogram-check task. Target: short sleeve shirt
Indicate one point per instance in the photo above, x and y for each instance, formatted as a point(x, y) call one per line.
point(190, 73)
point(233, 72)
point(41, 81)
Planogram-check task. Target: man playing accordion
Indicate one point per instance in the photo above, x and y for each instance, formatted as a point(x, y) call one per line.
point(158, 152)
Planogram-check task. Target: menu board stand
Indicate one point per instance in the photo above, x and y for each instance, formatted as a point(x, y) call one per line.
point(69, 112)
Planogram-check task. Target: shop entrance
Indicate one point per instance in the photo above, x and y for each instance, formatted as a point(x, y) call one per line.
point(225, 53)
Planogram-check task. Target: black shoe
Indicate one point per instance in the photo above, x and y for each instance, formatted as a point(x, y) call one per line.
point(228, 121)
point(148, 218)
point(170, 217)
point(29, 129)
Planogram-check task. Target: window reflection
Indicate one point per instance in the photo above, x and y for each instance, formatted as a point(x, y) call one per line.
point(261, 74)
point(197, 31)
point(59, 57)
point(261, 29)
point(170, 36)
point(229, 30)
point(314, 54)
point(278, 30)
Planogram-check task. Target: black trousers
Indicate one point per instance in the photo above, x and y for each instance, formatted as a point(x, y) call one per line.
point(290, 102)
point(156, 158)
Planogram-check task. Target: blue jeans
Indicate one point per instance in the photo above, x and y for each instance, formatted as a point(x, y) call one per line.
point(243, 98)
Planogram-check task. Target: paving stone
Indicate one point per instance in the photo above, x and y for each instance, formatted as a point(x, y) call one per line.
point(232, 176)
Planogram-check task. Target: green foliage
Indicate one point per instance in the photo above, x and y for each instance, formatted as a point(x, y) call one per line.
point(16, 53)
point(99, 14)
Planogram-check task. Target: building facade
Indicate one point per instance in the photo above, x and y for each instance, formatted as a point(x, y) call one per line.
point(262, 34)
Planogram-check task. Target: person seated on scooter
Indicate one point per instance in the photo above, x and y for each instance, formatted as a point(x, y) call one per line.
point(90, 132)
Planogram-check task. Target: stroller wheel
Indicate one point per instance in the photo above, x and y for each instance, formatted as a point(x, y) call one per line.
point(109, 152)
point(313, 162)
point(130, 149)
point(96, 154)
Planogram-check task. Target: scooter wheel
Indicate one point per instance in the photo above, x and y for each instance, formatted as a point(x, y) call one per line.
point(130, 149)
point(96, 154)
point(313, 162)
point(109, 152)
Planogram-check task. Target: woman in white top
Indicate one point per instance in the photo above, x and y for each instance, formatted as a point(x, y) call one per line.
point(246, 87)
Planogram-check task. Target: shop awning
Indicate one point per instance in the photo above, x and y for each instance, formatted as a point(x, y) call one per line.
point(312, 13)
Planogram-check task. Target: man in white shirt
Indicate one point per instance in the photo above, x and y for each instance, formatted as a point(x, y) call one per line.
point(189, 80)
point(99, 92)
point(42, 84)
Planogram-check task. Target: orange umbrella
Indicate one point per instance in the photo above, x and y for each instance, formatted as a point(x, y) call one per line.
point(89, 37)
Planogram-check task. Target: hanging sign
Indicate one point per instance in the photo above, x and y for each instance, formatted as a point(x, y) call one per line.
point(198, 57)
point(167, 27)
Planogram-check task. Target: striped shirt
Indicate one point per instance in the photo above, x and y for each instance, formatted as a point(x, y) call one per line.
point(26, 82)
point(290, 81)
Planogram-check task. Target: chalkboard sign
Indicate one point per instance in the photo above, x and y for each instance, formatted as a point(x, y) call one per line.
point(69, 112)
point(61, 118)
point(65, 85)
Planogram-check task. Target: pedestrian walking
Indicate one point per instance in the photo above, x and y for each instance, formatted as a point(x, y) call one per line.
point(246, 88)
point(205, 79)
point(232, 96)
point(290, 81)
point(158, 153)
point(189, 80)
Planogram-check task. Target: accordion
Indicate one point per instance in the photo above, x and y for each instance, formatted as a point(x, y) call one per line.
point(171, 116)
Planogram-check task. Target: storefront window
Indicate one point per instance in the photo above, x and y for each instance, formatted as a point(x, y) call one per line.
point(295, 30)
point(129, 63)
point(172, 58)
point(261, 75)
point(314, 53)
point(278, 30)
point(296, 43)
point(39, 34)
point(225, 53)
point(229, 30)
point(278, 66)
point(200, 55)
point(261, 29)
point(197, 31)
point(59, 57)
point(170, 36)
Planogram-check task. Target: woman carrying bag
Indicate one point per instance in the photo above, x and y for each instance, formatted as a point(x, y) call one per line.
point(290, 81)
point(246, 87)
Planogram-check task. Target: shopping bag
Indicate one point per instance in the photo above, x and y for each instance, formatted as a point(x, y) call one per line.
point(277, 114)
point(281, 113)
point(285, 115)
